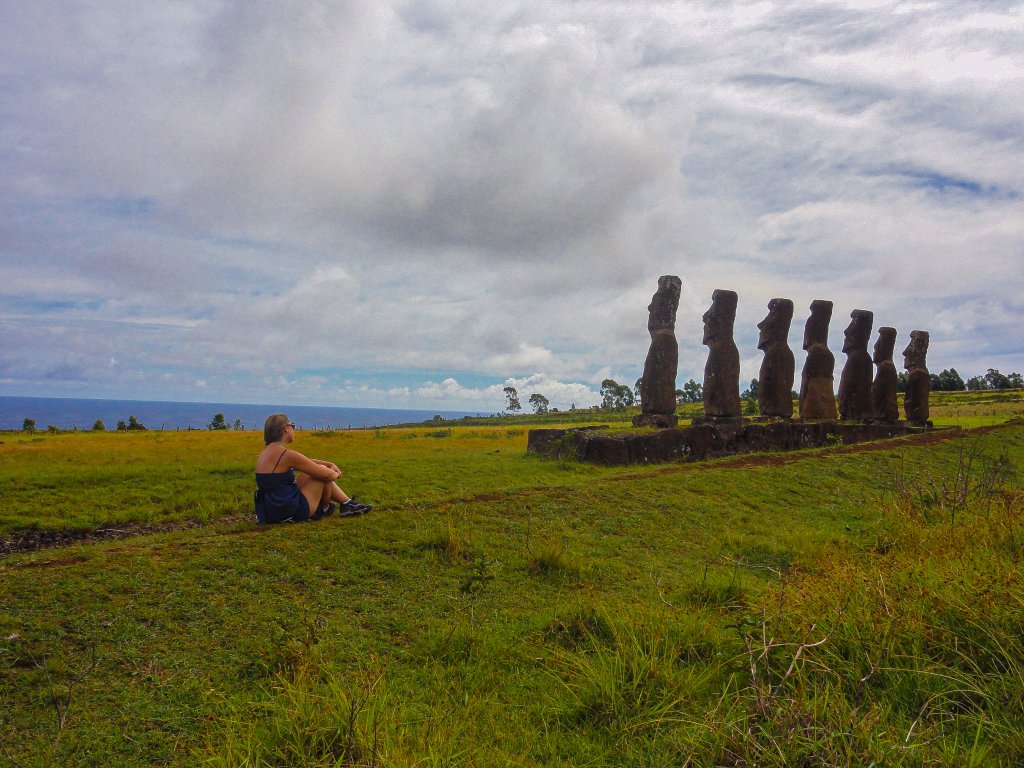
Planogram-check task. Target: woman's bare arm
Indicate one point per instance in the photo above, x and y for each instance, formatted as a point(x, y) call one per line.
point(327, 464)
point(316, 469)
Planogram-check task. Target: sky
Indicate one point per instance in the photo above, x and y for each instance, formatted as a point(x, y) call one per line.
point(415, 204)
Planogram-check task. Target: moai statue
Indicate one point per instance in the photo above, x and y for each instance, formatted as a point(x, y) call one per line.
point(919, 383)
point(855, 381)
point(817, 400)
point(775, 380)
point(722, 370)
point(883, 389)
point(658, 385)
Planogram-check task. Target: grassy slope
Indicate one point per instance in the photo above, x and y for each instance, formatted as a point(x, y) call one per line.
point(499, 609)
point(86, 480)
point(64, 481)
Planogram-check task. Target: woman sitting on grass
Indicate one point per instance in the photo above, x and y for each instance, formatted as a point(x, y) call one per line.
point(287, 498)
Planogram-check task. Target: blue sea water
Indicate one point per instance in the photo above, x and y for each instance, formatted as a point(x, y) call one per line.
point(67, 413)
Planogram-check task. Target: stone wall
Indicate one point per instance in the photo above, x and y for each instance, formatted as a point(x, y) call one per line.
point(704, 441)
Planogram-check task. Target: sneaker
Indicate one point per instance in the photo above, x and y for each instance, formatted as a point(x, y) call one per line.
point(324, 511)
point(365, 507)
point(354, 507)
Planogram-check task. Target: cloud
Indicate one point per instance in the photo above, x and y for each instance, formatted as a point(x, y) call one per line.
point(362, 201)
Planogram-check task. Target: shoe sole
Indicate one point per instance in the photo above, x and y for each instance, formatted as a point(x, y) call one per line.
point(355, 512)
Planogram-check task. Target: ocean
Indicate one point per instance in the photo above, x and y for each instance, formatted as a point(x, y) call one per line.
point(70, 413)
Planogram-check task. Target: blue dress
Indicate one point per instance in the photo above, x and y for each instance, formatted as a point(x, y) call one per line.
point(278, 498)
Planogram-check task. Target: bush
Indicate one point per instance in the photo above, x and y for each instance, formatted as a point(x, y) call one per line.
point(99, 426)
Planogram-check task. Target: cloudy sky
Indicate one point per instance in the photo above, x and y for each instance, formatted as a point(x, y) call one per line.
point(414, 203)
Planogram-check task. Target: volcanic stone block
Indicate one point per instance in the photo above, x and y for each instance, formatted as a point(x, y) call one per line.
point(775, 380)
point(855, 381)
point(883, 389)
point(919, 384)
point(817, 400)
point(658, 384)
point(722, 370)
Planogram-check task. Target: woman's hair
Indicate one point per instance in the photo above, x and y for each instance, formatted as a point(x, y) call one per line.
point(273, 428)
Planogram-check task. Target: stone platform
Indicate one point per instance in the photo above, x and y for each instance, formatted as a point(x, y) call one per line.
point(707, 440)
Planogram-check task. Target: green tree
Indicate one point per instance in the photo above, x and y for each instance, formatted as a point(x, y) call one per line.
point(750, 393)
point(28, 425)
point(995, 380)
point(615, 396)
point(627, 396)
point(1016, 380)
point(237, 425)
point(950, 381)
point(99, 426)
point(52, 429)
point(218, 422)
point(512, 400)
point(134, 423)
point(121, 426)
point(539, 403)
point(693, 392)
point(976, 383)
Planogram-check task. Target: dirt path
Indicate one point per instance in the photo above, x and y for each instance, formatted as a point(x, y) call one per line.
point(29, 541)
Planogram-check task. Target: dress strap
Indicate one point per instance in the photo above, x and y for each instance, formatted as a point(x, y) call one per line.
point(279, 460)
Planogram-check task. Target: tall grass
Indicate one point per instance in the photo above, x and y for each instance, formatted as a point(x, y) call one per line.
point(911, 654)
point(838, 610)
point(316, 718)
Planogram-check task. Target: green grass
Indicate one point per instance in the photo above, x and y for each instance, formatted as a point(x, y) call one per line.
point(499, 609)
point(976, 409)
point(88, 480)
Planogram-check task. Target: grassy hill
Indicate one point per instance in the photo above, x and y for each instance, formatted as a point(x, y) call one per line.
point(832, 607)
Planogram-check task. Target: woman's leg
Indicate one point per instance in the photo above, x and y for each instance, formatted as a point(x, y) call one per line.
point(317, 492)
point(336, 493)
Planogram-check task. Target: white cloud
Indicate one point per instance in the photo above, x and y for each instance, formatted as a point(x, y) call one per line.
point(348, 201)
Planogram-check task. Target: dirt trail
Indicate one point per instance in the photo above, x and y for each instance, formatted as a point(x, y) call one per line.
point(29, 541)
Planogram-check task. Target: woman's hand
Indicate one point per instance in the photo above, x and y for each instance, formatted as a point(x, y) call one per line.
point(321, 470)
point(330, 465)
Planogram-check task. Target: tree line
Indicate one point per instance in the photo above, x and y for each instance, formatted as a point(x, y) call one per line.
point(218, 423)
point(619, 397)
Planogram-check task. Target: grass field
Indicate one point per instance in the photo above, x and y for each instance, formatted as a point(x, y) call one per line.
point(500, 609)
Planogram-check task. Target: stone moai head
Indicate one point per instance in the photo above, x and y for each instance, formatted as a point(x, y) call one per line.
point(720, 317)
point(885, 345)
point(664, 304)
point(916, 351)
point(858, 332)
point(816, 329)
point(775, 327)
